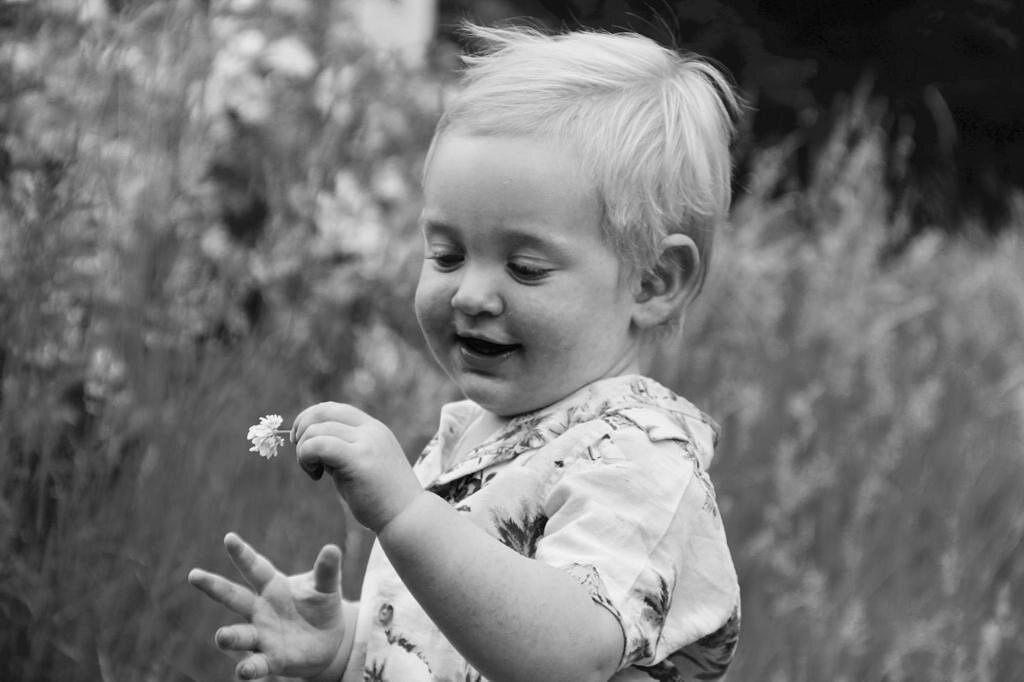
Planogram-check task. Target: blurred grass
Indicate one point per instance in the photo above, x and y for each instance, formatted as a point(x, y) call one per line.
point(873, 409)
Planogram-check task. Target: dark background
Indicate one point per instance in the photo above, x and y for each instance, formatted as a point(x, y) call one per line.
point(948, 73)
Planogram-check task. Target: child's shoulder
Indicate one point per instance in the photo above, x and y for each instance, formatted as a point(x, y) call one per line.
point(626, 409)
point(661, 413)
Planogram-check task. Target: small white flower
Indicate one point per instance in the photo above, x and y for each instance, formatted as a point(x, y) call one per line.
point(267, 436)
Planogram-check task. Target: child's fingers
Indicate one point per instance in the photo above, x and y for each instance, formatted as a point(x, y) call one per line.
point(327, 569)
point(344, 431)
point(345, 434)
point(327, 412)
point(221, 590)
point(313, 469)
point(320, 452)
point(239, 637)
point(253, 667)
point(324, 444)
point(254, 567)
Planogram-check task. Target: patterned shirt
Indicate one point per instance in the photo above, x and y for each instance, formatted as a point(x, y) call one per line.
point(608, 484)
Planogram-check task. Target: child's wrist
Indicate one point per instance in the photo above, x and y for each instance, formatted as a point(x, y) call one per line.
point(419, 510)
point(336, 668)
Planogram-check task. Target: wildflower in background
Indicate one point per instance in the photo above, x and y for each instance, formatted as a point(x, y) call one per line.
point(267, 436)
point(289, 57)
point(388, 181)
point(234, 81)
point(334, 93)
point(22, 58)
point(349, 220)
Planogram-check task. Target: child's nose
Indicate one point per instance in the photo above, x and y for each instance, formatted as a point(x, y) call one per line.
point(478, 294)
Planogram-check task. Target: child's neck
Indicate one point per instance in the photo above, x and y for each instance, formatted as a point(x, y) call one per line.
point(479, 430)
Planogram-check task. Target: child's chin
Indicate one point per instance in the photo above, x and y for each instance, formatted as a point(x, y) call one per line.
point(488, 393)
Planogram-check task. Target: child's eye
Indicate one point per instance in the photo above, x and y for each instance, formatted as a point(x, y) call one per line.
point(528, 272)
point(445, 260)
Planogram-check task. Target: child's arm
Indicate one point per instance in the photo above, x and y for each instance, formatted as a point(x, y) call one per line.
point(512, 617)
point(296, 625)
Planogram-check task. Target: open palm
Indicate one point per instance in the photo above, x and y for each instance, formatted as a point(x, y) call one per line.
point(294, 625)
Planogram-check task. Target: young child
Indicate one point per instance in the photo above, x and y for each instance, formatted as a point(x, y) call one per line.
point(561, 524)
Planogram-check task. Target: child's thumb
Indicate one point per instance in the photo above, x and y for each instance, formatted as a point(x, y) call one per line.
point(327, 570)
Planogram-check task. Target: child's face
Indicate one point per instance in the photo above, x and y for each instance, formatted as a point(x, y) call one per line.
point(520, 299)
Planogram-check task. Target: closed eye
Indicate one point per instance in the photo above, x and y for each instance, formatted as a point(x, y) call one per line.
point(528, 272)
point(446, 260)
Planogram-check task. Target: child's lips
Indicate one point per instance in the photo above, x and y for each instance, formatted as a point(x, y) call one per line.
point(482, 353)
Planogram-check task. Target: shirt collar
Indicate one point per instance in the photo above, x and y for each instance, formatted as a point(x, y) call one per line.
point(632, 395)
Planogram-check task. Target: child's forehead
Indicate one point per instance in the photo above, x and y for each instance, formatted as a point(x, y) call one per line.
point(510, 157)
point(520, 188)
point(512, 166)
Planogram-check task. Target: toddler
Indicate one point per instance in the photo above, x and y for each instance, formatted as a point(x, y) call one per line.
point(561, 524)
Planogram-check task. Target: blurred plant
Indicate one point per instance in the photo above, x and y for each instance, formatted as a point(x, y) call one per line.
point(873, 414)
point(143, 318)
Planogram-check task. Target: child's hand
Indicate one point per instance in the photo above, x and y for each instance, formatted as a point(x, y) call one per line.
point(363, 457)
point(294, 623)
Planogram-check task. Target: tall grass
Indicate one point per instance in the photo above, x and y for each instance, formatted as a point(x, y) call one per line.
point(874, 430)
point(873, 411)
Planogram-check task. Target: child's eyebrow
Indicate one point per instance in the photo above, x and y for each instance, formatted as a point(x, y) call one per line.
point(536, 238)
point(544, 242)
point(434, 226)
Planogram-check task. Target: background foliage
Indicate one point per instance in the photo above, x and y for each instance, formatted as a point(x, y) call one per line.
point(170, 271)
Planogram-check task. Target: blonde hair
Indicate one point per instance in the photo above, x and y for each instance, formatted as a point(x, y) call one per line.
point(651, 126)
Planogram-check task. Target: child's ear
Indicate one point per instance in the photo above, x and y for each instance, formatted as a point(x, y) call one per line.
point(662, 292)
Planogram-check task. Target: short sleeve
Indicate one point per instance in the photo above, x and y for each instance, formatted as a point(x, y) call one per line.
point(636, 523)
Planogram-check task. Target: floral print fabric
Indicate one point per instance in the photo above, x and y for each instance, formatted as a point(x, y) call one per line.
point(608, 484)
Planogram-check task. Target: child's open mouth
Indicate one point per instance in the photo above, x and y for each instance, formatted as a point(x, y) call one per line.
point(482, 352)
